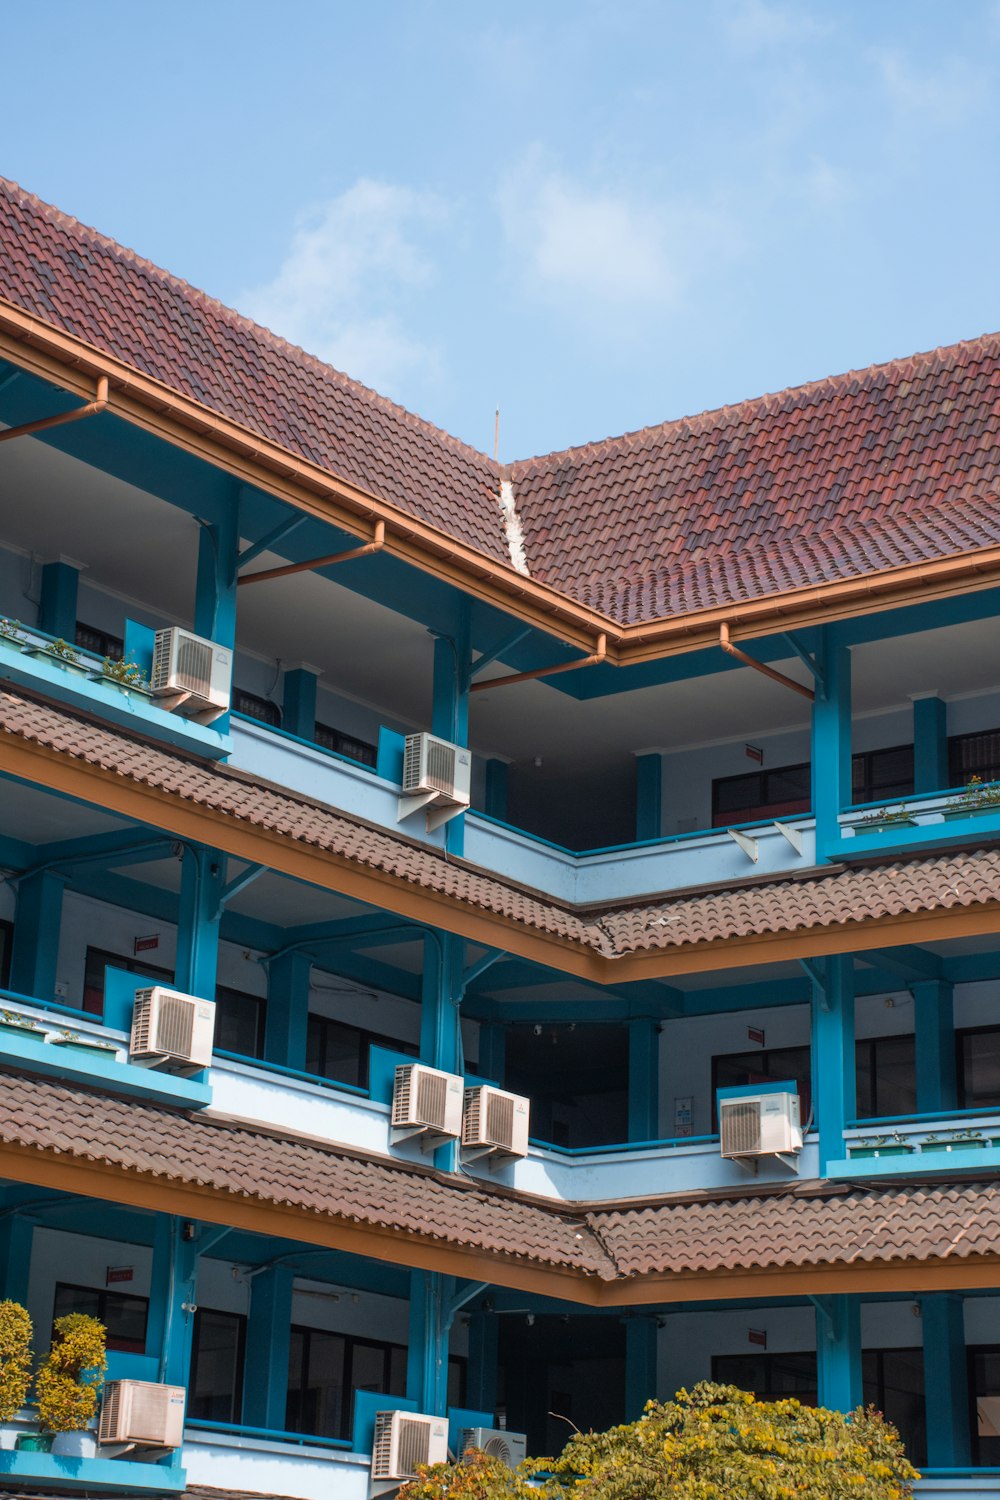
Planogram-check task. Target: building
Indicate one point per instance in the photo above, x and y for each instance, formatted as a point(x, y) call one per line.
point(723, 683)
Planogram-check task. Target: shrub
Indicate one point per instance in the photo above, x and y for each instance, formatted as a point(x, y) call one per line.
point(477, 1477)
point(68, 1382)
point(15, 1358)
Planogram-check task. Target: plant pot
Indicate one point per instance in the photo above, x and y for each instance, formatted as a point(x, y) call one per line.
point(950, 813)
point(75, 668)
point(35, 1442)
point(81, 1046)
point(125, 688)
point(884, 827)
point(12, 1026)
point(954, 1145)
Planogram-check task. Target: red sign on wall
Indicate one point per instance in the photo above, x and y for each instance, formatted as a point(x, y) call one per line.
point(116, 1274)
point(144, 944)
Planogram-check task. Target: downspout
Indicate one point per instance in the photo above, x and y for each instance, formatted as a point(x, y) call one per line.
point(375, 545)
point(91, 409)
point(598, 655)
point(758, 666)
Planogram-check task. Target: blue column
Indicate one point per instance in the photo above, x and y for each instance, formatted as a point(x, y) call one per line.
point(481, 1381)
point(492, 1051)
point(450, 705)
point(427, 1358)
point(298, 703)
point(930, 744)
point(643, 1079)
point(933, 1013)
point(640, 1364)
point(946, 1381)
point(172, 1297)
point(838, 1352)
point(35, 950)
point(58, 603)
point(441, 995)
point(496, 789)
point(831, 740)
point(16, 1235)
point(203, 877)
point(287, 1010)
point(215, 589)
point(269, 1326)
point(834, 1087)
point(648, 795)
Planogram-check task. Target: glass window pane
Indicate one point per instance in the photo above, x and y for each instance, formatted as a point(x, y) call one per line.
point(123, 1316)
point(980, 1065)
point(238, 1022)
point(985, 1395)
point(216, 1387)
point(322, 1399)
point(895, 1075)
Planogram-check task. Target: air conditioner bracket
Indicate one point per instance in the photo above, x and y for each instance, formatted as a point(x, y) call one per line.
point(407, 806)
point(438, 816)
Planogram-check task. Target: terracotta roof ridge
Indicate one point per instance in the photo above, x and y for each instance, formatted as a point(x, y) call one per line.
point(198, 295)
point(765, 404)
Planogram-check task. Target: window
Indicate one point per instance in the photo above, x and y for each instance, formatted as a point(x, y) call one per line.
point(325, 1369)
point(886, 1074)
point(881, 775)
point(345, 744)
point(978, 1067)
point(339, 1051)
point(984, 1389)
point(239, 1022)
point(974, 755)
point(123, 1316)
point(255, 707)
point(6, 938)
point(784, 791)
point(771, 1377)
point(101, 642)
point(95, 963)
point(215, 1390)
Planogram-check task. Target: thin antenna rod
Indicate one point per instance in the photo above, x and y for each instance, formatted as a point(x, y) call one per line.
point(496, 436)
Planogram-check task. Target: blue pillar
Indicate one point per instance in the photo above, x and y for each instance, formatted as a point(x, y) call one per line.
point(834, 1087)
point(933, 1014)
point(427, 1357)
point(838, 1351)
point(930, 744)
point(640, 1364)
point(831, 740)
point(269, 1327)
point(298, 703)
point(215, 589)
point(173, 1297)
point(648, 795)
point(496, 789)
point(450, 705)
point(643, 1079)
point(57, 606)
point(492, 1051)
point(203, 877)
point(481, 1381)
point(16, 1235)
point(441, 996)
point(946, 1381)
point(35, 950)
point(287, 1010)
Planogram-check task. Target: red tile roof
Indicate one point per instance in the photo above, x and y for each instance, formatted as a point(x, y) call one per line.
point(936, 882)
point(843, 478)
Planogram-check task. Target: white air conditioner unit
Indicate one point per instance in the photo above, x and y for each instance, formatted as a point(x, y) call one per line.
point(404, 1439)
point(426, 1102)
point(171, 1030)
point(138, 1411)
point(188, 665)
point(495, 1122)
point(755, 1125)
point(510, 1448)
point(436, 775)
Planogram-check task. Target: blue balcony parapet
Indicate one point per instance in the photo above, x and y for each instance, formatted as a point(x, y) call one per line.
point(936, 1145)
point(127, 709)
point(958, 1484)
point(923, 822)
point(82, 1467)
point(257, 1462)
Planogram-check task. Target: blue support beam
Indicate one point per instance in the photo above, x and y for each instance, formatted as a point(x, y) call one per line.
point(934, 1028)
point(930, 744)
point(215, 591)
point(643, 1079)
point(640, 1364)
point(16, 1234)
point(831, 740)
point(648, 795)
point(57, 608)
point(203, 879)
point(287, 1012)
point(427, 1357)
point(37, 922)
point(269, 1326)
point(481, 1379)
point(173, 1297)
point(832, 1057)
point(450, 704)
point(946, 1381)
point(441, 998)
point(298, 702)
point(838, 1351)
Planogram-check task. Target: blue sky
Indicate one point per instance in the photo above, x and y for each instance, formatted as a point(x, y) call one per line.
point(599, 213)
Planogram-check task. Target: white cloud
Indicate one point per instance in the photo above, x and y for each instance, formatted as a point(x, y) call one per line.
point(580, 244)
point(350, 267)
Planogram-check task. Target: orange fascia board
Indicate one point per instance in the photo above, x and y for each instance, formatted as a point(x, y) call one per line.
point(59, 772)
point(108, 1183)
point(72, 364)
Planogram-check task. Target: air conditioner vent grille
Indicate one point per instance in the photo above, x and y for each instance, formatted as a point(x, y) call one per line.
point(500, 1119)
point(432, 1093)
point(739, 1128)
point(194, 666)
point(414, 1445)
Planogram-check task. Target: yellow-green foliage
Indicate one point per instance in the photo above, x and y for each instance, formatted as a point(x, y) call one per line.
point(713, 1443)
point(68, 1382)
point(15, 1358)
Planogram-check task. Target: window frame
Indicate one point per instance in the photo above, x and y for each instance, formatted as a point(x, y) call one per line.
point(115, 1344)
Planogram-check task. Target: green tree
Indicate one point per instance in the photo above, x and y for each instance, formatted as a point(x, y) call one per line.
point(15, 1358)
point(712, 1443)
point(72, 1374)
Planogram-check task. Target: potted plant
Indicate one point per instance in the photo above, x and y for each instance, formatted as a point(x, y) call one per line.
point(78, 1043)
point(10, 634)
point(882, 1145)
point(63, 655)
point(11, 1021)
point(883, 819)
point(124, 675)
point(977, 797)
point(15, 1358)
point(955, 1140)
point(70, 1378)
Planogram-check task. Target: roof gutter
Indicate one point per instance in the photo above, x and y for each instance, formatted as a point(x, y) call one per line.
point(596, 657)
point(92, 409)
point(758, 666)
point(315, 563)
